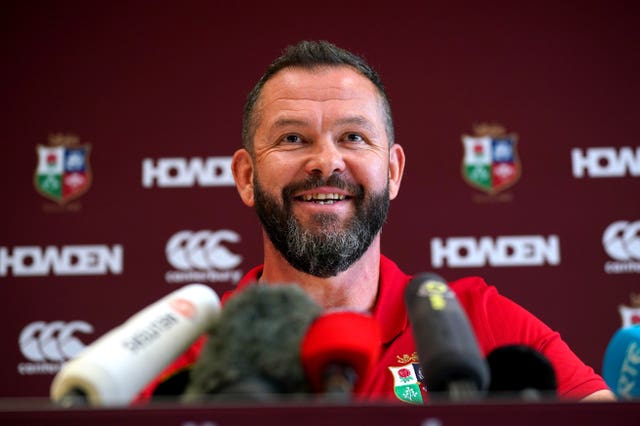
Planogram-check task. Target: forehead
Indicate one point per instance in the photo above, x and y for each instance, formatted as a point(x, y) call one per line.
point(324, 86)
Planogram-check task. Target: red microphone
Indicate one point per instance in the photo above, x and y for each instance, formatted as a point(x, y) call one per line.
point(338, 349)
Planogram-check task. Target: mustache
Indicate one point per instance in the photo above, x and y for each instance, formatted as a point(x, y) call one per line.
point(316, 181)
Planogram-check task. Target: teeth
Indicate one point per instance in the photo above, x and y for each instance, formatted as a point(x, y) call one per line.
point(323, 197)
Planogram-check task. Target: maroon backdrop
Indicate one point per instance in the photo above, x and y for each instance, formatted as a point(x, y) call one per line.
point(152, 93)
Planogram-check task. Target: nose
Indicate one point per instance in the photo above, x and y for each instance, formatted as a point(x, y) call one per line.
point(325, 158)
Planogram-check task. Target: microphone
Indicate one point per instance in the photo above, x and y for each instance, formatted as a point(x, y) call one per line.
point(116, 367)
point(518, 370)
point(253, 350)
point(340, 348)
point(621, 364)
point(450, 358)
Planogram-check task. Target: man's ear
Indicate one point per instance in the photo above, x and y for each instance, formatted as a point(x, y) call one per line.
point(242, 167)
point(396, 169)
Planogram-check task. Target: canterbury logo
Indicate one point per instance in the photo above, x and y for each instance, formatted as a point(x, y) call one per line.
point(204, 250)
point(54, 341)
point(621, 240)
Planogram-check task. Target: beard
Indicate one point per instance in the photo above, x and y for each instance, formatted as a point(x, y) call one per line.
point(324, 248)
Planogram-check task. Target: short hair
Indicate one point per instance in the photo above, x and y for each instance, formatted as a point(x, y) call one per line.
point(310, 55)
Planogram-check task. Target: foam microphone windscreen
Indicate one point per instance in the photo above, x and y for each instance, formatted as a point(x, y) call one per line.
point(338, 343)
point(254, 346)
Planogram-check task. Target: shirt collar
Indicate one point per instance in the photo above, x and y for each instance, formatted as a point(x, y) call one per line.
point(389, 309)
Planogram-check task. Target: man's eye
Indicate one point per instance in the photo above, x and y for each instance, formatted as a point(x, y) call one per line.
point(354, 137)
point(292, 139)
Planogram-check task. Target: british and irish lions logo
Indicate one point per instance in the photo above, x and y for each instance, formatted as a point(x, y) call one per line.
point(490, 162)
point(63, 172)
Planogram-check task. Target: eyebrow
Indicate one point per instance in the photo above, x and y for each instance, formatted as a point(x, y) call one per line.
point(357, 120)
point(285, 122)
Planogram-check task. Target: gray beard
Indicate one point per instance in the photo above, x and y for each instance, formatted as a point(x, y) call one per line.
point(326, 249)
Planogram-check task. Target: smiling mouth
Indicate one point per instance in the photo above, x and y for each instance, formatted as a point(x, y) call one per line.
point(322, 198)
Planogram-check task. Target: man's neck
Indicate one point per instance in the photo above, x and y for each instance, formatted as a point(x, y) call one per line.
point(354, 289)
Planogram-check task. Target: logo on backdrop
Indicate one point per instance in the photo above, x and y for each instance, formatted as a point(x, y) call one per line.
point(34, 261)
point(490, 162)
point(63, 173)
point(605, 162)
point(630, 315)
point(203, 256)
point(187, 172)
point(47, 345)
point(621, 241)
point(503, 251)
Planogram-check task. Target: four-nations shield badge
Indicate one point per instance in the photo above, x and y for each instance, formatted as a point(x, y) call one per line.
point(63, 173)
point(490, 162)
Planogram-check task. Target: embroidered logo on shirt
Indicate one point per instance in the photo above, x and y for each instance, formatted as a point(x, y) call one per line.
point(406, 358)
point(408, 379)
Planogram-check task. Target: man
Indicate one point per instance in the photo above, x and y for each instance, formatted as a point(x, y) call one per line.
point(320, 166)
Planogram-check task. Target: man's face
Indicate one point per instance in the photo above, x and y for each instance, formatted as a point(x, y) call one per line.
point(321, 167)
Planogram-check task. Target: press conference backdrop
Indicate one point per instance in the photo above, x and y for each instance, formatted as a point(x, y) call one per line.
point(519, 122)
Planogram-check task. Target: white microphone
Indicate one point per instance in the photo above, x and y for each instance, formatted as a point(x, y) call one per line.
point(115, 368)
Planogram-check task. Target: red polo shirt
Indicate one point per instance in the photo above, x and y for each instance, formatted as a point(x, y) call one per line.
point(496, 321)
